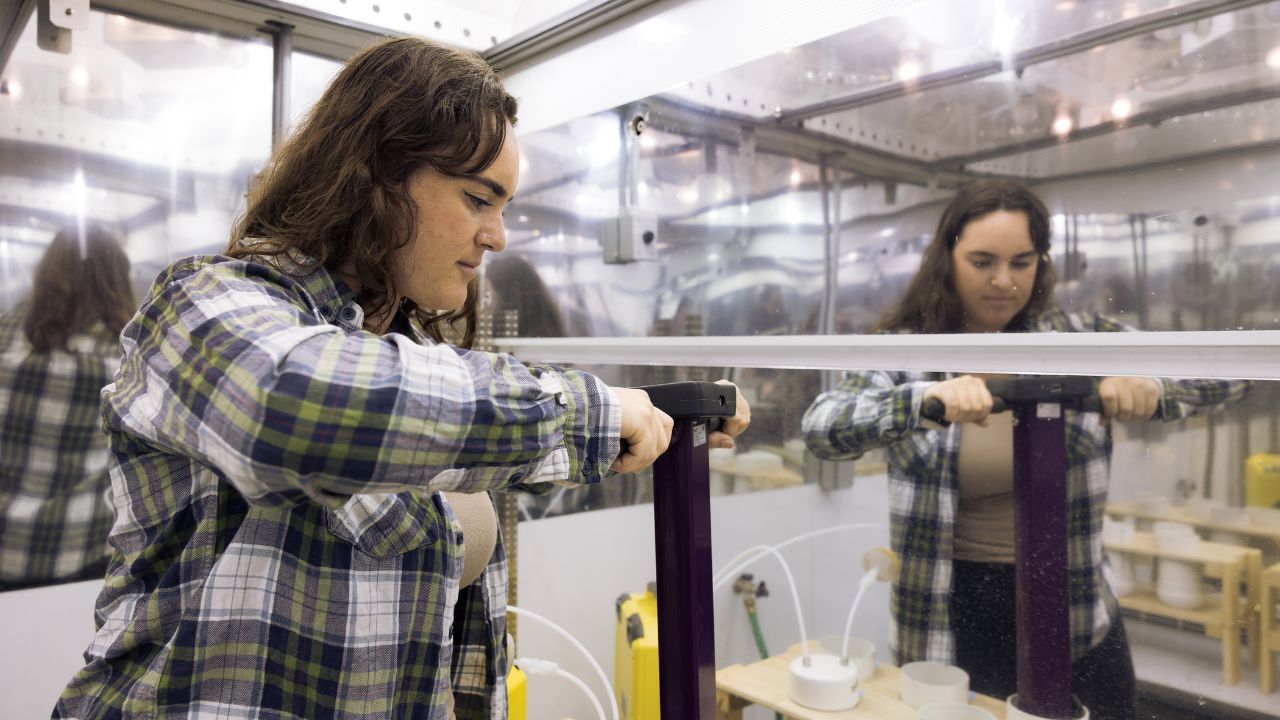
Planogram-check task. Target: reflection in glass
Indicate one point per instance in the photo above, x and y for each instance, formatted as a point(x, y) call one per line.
point(154, 131)
point(58, 348)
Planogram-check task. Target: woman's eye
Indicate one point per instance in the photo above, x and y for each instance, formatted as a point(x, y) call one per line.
point(982, 264)
point(478, 201)
point(1020, 265)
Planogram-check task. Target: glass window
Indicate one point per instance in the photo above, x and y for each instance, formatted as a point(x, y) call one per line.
point(150, 134)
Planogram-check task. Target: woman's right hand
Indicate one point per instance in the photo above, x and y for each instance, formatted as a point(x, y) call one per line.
point(966, 399)
point(646, 430)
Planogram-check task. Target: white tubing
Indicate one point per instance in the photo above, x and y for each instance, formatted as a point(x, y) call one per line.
point(613, 705)
point(537, 666)
point(760, 550)
point(868, 579)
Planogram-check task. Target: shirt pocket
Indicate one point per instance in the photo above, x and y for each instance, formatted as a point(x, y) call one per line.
point(384, 525)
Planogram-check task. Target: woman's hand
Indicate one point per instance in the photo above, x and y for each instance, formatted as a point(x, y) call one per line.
point(646, 430)
point(1129, 398)
point(966, 399)
point(731, 427)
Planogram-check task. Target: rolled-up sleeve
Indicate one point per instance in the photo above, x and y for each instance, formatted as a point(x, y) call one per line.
point(867, 410)
point(227, 364)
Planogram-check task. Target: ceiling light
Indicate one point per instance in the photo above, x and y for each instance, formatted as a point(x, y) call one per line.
point(1273, 58)
point(908, 71)
point(1062, 125)
point(795, 178)
point(1122, 108)
point(80, 76)
point(648, 142)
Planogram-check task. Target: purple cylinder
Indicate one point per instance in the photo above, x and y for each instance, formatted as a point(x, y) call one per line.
point(682, 530)
point(1040, 533)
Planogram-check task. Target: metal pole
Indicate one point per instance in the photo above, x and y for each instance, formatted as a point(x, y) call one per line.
point(682, 532)
point(281, 83)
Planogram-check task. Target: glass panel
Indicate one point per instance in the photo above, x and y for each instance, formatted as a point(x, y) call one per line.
point(310, 75)
point(1165, 221)
point(1216, 473)
point(926, 38)
point(153, 132)
point(1179, 71)
point(472, 24)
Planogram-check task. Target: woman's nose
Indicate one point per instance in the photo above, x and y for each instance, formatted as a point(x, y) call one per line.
point(494, 239)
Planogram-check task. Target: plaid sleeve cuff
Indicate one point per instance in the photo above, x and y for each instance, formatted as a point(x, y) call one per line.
point(592, 422)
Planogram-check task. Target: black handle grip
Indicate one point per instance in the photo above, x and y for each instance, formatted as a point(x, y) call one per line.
point(934, 410)
point(695, 401)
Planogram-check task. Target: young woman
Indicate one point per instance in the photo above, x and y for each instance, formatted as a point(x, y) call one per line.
point(287, 414)
point(57, 349)
point(951, 489)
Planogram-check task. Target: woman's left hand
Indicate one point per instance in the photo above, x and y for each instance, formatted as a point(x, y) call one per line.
point(1129, 398)
point(731, 427)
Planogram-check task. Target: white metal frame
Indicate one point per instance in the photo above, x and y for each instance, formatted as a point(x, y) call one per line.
point(1253, 355)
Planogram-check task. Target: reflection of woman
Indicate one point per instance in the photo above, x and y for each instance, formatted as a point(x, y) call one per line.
point(951, 492)
point(57, 350)
point(515, 285)
point(286, 414)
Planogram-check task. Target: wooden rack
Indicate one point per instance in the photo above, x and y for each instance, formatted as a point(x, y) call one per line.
point(1135, 510)
point(1222, 616)
point(1270, 640)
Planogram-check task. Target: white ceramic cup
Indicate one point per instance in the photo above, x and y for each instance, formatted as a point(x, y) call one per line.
point(954, 711)
point(1122, 579)
point(1179, 584)
point(1176, 537)
point(862, 653)
point(928, 683)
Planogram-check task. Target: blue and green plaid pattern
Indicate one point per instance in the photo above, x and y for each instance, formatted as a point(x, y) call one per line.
point(55, 512)
point(882, 409)
point(281, 550)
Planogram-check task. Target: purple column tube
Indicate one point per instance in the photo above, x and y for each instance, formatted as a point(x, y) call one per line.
point(682, 529)
point(1040, 532)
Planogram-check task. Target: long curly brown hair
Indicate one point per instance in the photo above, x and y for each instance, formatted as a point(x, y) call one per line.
point(337, 193)
point(82, 280)
point(930, 303)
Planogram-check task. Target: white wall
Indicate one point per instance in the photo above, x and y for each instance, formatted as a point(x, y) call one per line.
point(43, 635)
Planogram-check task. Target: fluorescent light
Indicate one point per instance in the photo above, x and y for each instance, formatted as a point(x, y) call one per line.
point(1121, 108)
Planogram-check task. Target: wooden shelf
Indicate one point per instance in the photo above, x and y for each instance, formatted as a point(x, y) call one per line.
point(1209, 552)
point(1209, 614)
point(767, 683)
point(1129, 508)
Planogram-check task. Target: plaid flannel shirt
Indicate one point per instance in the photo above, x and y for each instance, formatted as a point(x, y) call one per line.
point(281, 550)
point(882, 409)
point(55, 512)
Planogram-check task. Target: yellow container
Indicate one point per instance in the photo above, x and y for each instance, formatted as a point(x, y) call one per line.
point(1262, 480)
point(635, 659)
point(517, 695)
